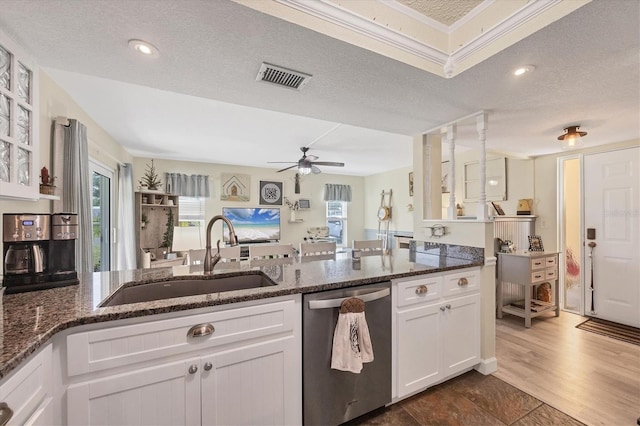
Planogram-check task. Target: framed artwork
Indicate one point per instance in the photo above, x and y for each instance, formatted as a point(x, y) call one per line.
point(304, 203)
point(497, 208)
point(535, 243)
point(410, 184)
point(235, 187)
point(270, 193)
point(444, 181)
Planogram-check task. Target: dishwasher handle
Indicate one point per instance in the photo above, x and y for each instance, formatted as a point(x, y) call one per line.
point(335, 303)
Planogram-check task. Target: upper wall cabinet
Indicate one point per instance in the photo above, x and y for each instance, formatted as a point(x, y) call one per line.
point(19, 137)
point(495, 183)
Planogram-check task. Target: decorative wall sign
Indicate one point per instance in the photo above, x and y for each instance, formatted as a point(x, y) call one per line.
point(271, 193)
point(304, 203)
point(535, 243)
point(235, 187)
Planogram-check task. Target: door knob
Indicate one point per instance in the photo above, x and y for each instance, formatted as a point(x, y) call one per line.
point(448, 306)
point(208, 366)
point(193, 369)
point(442, 308)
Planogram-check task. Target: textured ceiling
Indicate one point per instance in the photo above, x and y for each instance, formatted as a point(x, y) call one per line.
point(199, 99)
point(446, 12)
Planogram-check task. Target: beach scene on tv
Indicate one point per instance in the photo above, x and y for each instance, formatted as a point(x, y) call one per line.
point(253, 224)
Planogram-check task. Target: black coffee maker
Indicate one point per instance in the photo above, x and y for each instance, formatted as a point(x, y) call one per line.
point(36, 253)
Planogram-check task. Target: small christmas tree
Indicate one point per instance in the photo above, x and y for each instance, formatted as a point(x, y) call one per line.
point(167, 238)
point(151, 178)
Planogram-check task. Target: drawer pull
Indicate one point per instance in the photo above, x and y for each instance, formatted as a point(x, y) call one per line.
point(200, 330)
point(5, 413)
point(193, 369)
point(422, 289)
point(208, 366)
point(463, 281)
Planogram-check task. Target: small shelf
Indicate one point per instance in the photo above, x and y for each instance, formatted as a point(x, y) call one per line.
point(296, 221)
point(49, 197)
point(159, 205)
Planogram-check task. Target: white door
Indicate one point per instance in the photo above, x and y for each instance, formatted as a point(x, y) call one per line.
point(167, 394)
point(612, 208)
point(461, 334)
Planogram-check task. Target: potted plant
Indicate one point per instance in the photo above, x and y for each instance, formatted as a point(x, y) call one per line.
point(46, 182)
point(150, 180)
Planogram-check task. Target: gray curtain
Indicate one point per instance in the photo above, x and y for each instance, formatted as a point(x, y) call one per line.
point(187, 185)
point(337, 192)
point(76, 188)
point(126, 228)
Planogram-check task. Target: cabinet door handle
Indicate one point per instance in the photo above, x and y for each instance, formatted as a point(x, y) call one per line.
point(5, 413)
point(463, 281)
point(200, 330)
point(193, 369)
point(442, 308)
point(208, 366)
point(448, 306)
point(422, 289)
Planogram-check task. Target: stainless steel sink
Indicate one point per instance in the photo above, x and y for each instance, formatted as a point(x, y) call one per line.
point(187, 286)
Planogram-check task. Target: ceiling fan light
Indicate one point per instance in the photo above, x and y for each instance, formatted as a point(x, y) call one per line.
point(304, 170)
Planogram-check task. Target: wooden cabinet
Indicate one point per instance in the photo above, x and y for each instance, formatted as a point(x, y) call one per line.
point(437, 328)
point(152, 211)
point(244, 369)
point(19, 118)
point(528, 270)
point(28, 391)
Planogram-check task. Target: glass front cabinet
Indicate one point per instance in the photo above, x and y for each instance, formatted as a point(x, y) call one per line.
point(19, 138)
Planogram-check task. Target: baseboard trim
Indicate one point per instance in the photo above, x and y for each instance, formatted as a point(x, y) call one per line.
point(487, 366)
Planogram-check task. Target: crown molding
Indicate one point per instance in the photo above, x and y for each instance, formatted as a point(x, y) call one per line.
point(330, 11)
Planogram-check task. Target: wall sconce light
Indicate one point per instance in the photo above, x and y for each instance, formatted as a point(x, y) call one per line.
point(572, 137)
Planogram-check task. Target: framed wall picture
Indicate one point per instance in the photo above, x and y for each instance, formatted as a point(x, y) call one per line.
point(535, 243)
point(235, 187)
point(270, 193)
point(497, 208)
point(304, 203)
point(410, 184)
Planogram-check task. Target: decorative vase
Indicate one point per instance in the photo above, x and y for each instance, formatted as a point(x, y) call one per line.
point(293, 216)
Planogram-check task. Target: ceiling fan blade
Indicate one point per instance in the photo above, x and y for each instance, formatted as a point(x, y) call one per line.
point(315, 170)
point(290, 167)
point(282, 162)
point(312, 157)
point(328, 163)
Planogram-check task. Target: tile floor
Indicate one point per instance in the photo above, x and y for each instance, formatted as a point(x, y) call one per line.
point(470, 399)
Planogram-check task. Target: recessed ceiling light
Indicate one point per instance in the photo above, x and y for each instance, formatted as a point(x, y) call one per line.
point(523, 70)
point(144, 48)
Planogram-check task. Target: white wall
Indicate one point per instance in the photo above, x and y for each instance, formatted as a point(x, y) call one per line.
point(398, 181)
point(311, 187)
point(546, 190)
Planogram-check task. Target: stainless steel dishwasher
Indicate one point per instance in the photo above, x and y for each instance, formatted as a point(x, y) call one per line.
point(331, 397)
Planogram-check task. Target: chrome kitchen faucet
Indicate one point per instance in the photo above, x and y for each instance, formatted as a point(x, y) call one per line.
point(211, 261)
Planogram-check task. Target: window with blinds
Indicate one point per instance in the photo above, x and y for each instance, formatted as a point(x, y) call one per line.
point(191, 211)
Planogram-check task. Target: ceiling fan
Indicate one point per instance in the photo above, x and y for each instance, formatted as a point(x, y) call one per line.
point(307, 163)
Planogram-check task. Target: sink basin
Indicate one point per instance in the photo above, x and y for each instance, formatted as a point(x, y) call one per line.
point(135, 293)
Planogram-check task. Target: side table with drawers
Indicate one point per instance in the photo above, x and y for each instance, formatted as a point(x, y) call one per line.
point(528, 269)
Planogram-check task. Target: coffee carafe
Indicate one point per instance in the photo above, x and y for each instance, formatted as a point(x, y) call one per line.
point(25, 243)
point(17, 259)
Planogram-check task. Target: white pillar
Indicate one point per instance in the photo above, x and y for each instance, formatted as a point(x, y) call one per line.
point(451, 140)
point(481, 127)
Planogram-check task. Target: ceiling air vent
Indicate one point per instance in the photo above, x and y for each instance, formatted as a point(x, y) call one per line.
point(282, 76)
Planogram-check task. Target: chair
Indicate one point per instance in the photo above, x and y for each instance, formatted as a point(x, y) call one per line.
point(317, 249)
point(227, 254)
point(196, 257)
point(368, 245)
point(270, 251)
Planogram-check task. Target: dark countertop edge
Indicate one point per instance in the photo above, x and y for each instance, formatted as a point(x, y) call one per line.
point(44, 338)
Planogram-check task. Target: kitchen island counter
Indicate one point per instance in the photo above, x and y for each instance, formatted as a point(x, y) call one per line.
point(31, 319)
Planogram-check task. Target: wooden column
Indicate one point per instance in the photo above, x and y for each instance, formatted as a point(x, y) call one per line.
point(481, 127)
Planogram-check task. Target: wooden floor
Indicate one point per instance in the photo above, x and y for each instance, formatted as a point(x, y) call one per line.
point(590, 377)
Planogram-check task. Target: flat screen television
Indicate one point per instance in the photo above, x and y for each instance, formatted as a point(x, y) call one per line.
point(253, 225)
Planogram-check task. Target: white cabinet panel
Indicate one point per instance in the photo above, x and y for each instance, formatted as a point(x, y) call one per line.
point(166, 394)
point(461, 334)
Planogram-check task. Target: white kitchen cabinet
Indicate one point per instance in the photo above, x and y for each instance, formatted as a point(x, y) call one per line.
point(437, 329)
point(28, 391)
point(166, 394)
point(243, 368)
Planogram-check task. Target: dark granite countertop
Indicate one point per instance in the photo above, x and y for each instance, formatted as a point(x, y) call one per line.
point(30, 319)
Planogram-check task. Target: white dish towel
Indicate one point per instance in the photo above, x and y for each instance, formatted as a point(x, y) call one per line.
point(351, 343)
